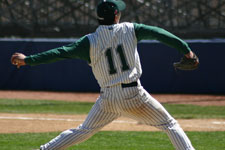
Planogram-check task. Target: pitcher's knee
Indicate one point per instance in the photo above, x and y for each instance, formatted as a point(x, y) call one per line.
point(170, 124)
point(81, 130)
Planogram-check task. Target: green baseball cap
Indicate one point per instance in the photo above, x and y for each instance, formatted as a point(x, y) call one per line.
point(109, 8)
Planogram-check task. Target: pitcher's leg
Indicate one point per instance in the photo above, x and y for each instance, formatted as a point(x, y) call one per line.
point(95, 120)
point(177, 136)
point(150, 112)
point(69, 138)
point(168, 124)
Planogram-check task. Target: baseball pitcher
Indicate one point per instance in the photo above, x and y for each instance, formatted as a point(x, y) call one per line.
point(112, 53)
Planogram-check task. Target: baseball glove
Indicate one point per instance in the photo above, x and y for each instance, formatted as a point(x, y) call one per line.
point(187, 63)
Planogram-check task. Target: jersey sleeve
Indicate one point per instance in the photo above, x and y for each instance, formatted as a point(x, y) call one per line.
point(146, 32)
point(78, 50)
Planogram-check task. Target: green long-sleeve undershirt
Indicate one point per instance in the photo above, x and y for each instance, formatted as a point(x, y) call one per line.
point(145, 32)
point(78, 49)
point(81, 48)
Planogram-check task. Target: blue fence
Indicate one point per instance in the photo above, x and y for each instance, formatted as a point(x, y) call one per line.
point(158, 76)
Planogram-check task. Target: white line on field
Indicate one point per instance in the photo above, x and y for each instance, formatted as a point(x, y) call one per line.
point(217, 122)
point(59, 119)
point(31, 118)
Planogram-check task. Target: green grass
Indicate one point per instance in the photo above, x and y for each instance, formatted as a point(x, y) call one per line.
point(193, 111)
point(42, 106)
point(62, 107)
point(107, 140)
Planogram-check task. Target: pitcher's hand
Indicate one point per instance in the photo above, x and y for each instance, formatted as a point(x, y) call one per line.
point(18, 59)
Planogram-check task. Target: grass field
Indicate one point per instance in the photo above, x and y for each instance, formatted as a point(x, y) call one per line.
point(179, 111)
point(107, 140)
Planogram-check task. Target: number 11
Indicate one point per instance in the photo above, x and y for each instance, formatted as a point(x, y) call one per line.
point(120, 51)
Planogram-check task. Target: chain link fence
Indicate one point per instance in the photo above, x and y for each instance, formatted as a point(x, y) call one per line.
point(74, 18)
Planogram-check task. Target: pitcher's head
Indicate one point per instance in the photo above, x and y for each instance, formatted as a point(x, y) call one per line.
point(109, 11)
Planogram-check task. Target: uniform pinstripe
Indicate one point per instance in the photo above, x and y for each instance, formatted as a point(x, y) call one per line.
point(114, 100)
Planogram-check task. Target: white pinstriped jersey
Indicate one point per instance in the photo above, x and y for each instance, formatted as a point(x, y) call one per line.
point(113, 54)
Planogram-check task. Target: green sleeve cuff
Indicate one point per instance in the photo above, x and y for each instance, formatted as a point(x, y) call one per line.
point(145, 32)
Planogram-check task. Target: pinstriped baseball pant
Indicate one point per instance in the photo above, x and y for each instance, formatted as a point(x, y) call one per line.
point(132, 102)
